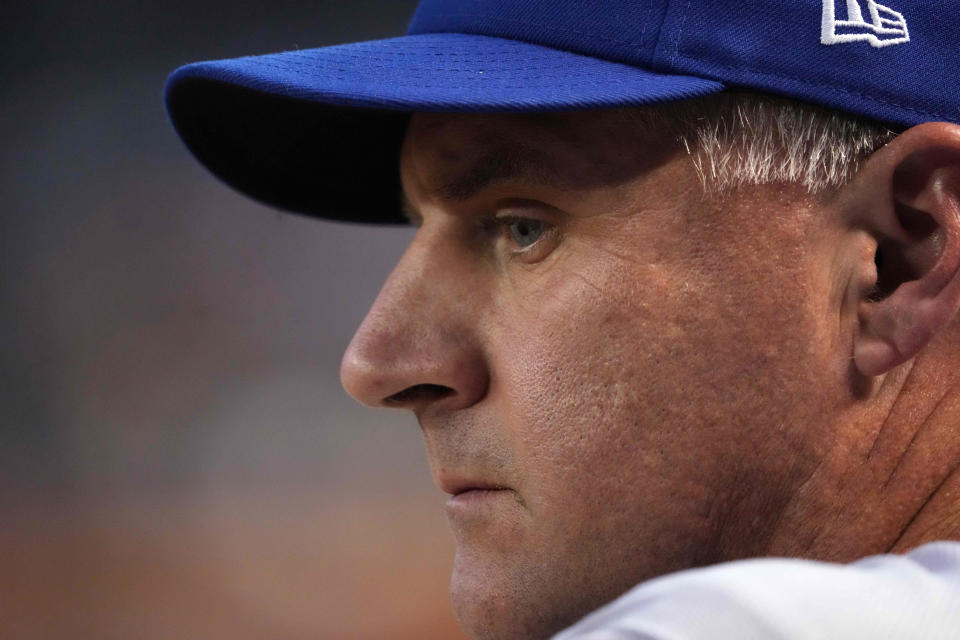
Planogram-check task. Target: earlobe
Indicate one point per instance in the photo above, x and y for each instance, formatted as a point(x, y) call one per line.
point(913, 211)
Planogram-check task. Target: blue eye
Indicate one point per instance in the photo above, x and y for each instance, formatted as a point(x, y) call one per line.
point(524, 231)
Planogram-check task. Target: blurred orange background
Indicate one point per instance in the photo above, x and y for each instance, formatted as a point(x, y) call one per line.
point(177, 458)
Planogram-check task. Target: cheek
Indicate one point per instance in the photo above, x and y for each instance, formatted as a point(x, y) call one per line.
point(590, 381)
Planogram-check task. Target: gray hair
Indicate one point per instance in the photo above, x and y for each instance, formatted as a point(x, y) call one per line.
point(739, 139)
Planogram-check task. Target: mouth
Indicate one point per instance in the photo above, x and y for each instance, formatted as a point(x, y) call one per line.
point(457, 485)
point(474, 494)
point(473, 504)
point(470, 496)
point(457, 489)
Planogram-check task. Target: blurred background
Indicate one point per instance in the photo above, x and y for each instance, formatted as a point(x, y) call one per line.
point(177, 458)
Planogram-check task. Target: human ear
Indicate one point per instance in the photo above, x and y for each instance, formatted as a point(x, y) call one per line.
point(910, 204)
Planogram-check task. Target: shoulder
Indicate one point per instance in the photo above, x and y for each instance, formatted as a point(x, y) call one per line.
point(884, 596)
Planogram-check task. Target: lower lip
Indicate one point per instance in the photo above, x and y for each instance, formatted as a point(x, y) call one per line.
point(476, 498)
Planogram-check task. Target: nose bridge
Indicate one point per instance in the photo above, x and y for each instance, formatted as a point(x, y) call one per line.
point(419, 332)
point(413, 305)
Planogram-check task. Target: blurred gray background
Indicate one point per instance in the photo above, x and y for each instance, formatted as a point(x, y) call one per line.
point(177, 458)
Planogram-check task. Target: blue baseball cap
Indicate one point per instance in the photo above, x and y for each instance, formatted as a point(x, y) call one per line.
point(318, 131)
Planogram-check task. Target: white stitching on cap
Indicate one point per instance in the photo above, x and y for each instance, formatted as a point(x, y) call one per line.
point(886, 26)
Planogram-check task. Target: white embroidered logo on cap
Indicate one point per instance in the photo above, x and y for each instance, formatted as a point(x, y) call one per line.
point(883, 27)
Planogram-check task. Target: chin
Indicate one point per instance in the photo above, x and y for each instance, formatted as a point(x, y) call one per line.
point(505, 599)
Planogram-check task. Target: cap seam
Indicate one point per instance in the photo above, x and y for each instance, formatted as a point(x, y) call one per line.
point(648, 60)
point(646, 23)
point(680, 28)
point(420, 74)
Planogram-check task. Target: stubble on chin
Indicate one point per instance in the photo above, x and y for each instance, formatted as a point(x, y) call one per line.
point(489, 605)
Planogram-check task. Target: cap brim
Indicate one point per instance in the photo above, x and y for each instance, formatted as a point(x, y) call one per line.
point(318, 131)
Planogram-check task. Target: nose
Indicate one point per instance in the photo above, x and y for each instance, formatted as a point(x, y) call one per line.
point(418, 348)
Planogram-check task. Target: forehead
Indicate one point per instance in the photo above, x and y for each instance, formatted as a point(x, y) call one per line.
point(453, 156)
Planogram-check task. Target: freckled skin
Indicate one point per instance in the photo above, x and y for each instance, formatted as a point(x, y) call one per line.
point(657, 387)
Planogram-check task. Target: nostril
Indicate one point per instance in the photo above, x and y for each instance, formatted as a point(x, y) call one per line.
point(418, 393)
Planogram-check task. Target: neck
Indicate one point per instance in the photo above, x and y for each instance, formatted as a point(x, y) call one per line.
point(891, 480)
point(927, 473)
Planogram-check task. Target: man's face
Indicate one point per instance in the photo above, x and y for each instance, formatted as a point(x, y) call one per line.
point(616, 376)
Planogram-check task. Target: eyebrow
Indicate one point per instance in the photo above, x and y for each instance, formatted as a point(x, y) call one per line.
point(519, 163)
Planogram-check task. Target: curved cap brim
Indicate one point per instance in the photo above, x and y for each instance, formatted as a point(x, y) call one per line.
point(318, 131)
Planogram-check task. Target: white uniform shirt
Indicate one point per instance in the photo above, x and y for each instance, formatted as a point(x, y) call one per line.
point(883, 597)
